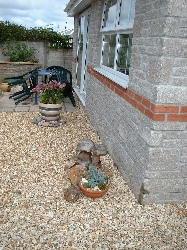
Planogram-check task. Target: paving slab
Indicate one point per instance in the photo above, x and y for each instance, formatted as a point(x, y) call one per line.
point(29, 105)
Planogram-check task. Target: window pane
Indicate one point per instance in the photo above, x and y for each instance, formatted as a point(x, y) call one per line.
point(80, 49)
point(124, 53)
point(110, 14)
point(127, 12)
point(109, 50)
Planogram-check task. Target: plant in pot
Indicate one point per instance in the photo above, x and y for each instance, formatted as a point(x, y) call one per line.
point(50, 99)
point(95, 184)
point(4, 85)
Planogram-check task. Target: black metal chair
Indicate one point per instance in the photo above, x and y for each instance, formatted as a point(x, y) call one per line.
point(27, 81)
point(64, 76)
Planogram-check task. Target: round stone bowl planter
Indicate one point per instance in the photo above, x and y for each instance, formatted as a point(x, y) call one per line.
point(4, 87)
point(93, 193)
point(50, 112)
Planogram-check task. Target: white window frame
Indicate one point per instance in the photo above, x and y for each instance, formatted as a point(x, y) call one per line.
point(117, 29)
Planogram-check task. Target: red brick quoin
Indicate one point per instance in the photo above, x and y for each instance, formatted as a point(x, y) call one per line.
point(159, 112)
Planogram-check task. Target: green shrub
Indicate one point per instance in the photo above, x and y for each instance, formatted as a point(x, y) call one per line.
point(18, 52)
point(13, 32)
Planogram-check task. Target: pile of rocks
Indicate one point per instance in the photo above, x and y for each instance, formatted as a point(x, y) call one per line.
point(41, 122)
point(77, 167)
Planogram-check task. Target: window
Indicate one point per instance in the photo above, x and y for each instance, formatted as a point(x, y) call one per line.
point(116, 30)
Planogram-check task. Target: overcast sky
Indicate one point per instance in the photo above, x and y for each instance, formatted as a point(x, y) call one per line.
point(36, 13)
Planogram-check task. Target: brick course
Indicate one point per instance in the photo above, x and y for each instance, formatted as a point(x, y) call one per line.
point(153, 111)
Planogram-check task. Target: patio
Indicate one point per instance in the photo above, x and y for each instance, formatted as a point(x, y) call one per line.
point(34, 213)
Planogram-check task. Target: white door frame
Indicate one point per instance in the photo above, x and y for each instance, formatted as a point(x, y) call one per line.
point(81, 91)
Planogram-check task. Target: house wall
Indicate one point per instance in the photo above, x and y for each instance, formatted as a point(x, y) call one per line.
point(145, 126)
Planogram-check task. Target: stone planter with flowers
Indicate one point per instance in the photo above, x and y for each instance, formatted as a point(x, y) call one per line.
point(50, 99)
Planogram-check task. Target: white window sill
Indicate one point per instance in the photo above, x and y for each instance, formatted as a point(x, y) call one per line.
point(117, 77)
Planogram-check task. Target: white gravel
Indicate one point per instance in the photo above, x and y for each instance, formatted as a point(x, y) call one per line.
point(34, 214)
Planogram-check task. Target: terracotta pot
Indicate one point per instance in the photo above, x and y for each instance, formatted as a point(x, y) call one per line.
point(4, 87)
point(50, 112)
point(93, 193)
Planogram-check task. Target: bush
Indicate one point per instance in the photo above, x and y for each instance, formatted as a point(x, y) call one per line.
point(13, 32)
point(18, 52)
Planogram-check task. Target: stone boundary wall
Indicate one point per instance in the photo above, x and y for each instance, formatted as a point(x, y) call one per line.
point(144, 126)
point(16, 68)
point(47, 57)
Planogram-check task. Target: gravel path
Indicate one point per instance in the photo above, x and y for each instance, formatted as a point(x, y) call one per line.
point(34, 214)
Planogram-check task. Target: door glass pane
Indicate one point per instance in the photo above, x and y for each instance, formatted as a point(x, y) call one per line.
point(110, 14)
point(127, 12)
point(83, 81)
point(124, 53)
point(80, 49)
point(109, 45)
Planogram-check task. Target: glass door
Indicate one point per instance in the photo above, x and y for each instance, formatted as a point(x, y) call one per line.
point(82, 56)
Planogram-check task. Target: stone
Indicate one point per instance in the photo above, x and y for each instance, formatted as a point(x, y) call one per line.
point(76, 173)
point(36, 120)
point(85, 145)
point(45, 124)
point(41, 122)
point(84, 156)
point(69, 164)
point(97, 151)
point(71, 194)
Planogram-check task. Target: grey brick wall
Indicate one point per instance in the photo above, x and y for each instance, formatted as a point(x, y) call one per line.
point(61, 57)
point(151, 155)
point(15, 69)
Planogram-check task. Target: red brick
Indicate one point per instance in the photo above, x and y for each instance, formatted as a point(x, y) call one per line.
point(138, 97)
point(141, 108)
point(146, 103)
point(127, 98)
point(107, 84)
point(183, 109)
point(130, 93)
point(133, 102)
point(159, 117)
point(177, 118)
point(153, 106)
point(89, 70)
point(149, 113)
point(120, 87)
point(112, 87)
point(118, 92)
point(166, 109)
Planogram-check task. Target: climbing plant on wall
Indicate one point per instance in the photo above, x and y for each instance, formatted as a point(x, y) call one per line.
point(13, 32)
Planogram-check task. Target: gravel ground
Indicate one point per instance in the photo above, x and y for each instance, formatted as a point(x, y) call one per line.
point(35, 215)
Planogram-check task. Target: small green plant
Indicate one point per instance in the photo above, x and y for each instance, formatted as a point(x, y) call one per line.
point(95, 178)
point(1, 93)
point(2, 77)
point(18, 52)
